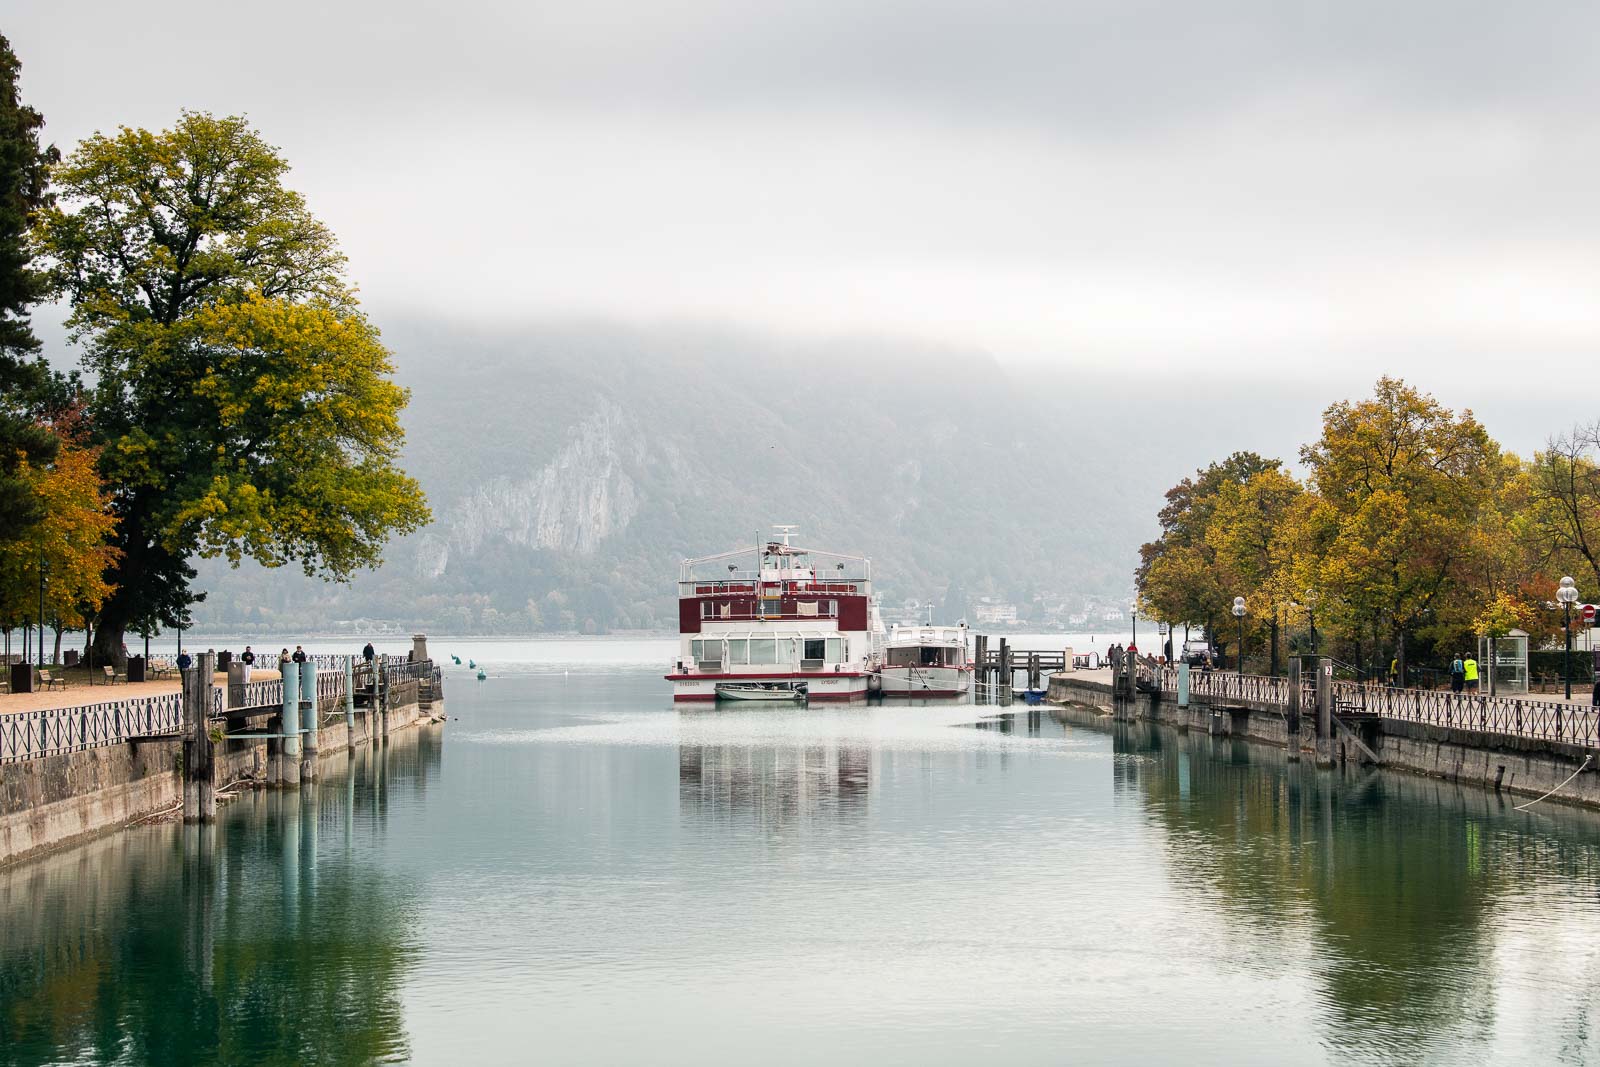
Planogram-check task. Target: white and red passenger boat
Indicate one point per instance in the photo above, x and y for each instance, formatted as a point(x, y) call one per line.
point(927, 661)
point(776, 615)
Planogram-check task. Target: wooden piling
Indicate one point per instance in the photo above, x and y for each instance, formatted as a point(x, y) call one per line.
point(199, 794)
point(1291, 718)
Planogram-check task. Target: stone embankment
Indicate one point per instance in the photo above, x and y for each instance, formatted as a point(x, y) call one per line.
point(1525, 766)
point(128, 767)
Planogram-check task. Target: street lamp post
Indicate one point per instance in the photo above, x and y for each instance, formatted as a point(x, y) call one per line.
point(41, 614)
point(1134, 608)
point(1238, 613)
point(1567, 594)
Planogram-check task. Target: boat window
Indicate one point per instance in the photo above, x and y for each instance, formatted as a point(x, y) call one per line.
point(771, 606)
point(833, 609)
point(738, 650)
point(707, 649)
point(816, 648)
point(763, 650)
point(708, 609)
point(835, 649)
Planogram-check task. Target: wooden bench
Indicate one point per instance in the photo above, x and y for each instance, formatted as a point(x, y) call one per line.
point(49, 681)
point(111, 676)
point(158, 668)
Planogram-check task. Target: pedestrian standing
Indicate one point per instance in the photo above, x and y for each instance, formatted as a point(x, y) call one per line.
point(184, 661)
point(369, 653)
point(299, 654)
point(249, 660)
point(1458, 674)
point(1469, 673)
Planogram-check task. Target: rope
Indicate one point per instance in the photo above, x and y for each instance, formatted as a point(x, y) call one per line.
point(1557, 789)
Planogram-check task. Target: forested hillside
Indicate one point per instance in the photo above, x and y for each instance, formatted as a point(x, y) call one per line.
point(571, 467)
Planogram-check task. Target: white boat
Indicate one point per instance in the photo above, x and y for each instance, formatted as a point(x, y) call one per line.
point(776, 615)
point(927, 661)
point(773, 693)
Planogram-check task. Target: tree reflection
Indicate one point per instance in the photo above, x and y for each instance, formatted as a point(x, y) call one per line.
point(262, 939)
point(1389, 874)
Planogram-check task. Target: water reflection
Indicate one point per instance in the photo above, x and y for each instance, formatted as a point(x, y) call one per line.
point(1405, 894)
point(777, 787)
point(271, 937)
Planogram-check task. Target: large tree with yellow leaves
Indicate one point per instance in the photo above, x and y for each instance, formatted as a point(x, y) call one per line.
point(243, 404)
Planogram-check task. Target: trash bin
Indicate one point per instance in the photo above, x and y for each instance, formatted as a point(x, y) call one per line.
point(136, 671)
point(22, 678)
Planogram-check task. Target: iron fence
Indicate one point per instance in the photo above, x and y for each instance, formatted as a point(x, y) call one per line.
point(1509, 716)
point(51, 731)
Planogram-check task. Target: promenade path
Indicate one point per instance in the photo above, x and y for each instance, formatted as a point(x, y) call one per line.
point(82, 693)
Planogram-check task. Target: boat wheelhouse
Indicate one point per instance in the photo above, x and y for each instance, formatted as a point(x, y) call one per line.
point(927, 661)
point(776, 614)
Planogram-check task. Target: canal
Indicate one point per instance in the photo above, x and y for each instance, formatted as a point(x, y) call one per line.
point(573, 872)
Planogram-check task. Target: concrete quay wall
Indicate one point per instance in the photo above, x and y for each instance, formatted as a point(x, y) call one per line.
point(59, 801)
point(1527, 767)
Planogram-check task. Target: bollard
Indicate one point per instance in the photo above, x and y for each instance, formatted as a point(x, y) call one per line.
point(289, 750)
point(310, 716)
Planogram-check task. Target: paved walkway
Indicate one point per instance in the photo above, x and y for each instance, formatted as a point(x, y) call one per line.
point(82, 693)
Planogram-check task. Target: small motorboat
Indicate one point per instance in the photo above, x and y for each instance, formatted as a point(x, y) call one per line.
point(756, 691)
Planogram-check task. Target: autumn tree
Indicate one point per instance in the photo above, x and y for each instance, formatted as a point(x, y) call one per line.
point(24, 378)
point(1178, 576)
point(1403, 484)
point(69, 546)
point(1246, 525)
point(242, 402)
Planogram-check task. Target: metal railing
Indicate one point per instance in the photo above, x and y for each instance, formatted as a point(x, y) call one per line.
point(52, 731)
point(1508, 716)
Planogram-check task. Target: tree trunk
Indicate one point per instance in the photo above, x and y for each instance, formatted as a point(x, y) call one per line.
point(1274, 644)
point(55, 657)
point(112, 626)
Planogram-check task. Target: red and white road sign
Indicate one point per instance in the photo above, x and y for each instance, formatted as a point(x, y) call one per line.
point(1588, 613)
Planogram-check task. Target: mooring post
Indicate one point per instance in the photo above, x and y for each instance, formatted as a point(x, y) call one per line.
point(350, 705)
point(311, 715)
point(289, 750)
point(199, 793)
point(1183, 684)
point(1292, 717)
point(1324, 711)
point(1007, 672)
point(383, 693)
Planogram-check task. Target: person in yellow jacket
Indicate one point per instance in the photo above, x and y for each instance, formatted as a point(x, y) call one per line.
point(1470, 669)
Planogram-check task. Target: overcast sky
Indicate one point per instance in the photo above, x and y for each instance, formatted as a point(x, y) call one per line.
point(1259, 187)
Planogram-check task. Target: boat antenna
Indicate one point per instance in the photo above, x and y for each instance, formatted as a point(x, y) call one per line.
point(786, 530)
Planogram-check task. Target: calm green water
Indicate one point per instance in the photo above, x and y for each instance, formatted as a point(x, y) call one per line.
point(573, 872)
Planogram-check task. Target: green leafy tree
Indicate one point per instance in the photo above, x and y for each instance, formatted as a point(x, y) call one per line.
point(243, 404)
point(24, 378)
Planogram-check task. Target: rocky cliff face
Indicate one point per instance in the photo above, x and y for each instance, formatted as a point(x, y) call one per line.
point(572, 503)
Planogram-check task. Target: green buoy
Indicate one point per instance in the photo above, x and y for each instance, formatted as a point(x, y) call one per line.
point(481, 676)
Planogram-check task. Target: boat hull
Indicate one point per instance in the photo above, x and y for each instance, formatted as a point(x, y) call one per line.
point(926, 681)
point(702, 688)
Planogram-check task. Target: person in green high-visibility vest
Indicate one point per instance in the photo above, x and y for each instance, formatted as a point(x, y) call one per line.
point(1469, 669)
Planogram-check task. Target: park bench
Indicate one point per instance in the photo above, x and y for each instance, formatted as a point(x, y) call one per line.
point(49, 681)
point(111, 676)
point(159, 668)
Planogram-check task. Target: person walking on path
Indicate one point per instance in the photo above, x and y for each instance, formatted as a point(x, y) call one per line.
point(299, 654)
point(184, 661)
point(1469, 673)
point(369, 653)
point(1458, 674)
point(1394, 672)
point(248, 658)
